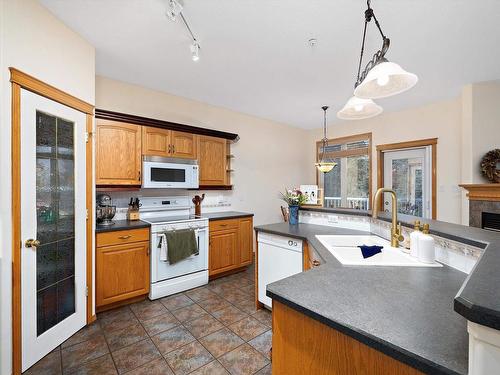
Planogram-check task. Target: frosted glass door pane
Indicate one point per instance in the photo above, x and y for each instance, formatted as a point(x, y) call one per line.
point(55, 202)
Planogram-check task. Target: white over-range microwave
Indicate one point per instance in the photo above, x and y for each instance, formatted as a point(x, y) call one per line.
point(169, 173)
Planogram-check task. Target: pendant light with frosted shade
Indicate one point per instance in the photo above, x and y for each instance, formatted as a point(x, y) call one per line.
point(359, 109)
point(381, 78)
point(384, 79)
point(324, 164)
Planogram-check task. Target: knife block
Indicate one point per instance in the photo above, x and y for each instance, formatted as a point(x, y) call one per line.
point(133, 215)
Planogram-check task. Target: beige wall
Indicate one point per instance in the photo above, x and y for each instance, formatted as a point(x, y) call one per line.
point(466, 127)
point(480, 131)
point(268, 157)
point(440, 120)
point(34, 41)
point(485, 124)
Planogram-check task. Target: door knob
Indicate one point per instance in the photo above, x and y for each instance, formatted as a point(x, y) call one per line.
point(32, 243)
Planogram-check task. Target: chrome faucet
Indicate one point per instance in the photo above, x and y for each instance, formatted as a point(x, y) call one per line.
point(396, 235)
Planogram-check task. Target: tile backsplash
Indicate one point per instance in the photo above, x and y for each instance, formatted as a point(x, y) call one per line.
point(457, 255)
point(214, 201)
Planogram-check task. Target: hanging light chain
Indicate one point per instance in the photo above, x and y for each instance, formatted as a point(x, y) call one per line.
point(325, 138)
point(379, 55)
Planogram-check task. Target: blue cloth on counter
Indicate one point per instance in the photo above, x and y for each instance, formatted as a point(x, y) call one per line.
point(369, 251)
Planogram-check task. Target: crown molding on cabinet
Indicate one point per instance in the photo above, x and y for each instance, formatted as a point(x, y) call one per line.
point(133, 119)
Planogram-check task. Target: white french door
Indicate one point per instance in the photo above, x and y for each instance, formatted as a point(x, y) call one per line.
point(408, 173)
point(53, 218)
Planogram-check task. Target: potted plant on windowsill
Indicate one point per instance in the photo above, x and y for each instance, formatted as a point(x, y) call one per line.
point(294, 198)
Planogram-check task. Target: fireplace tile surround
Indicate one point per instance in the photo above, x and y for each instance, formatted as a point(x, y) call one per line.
point(476, 208)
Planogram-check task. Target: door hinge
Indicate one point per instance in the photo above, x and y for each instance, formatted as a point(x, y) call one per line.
point(87, 136)
point(87, 213)
point(86, 291)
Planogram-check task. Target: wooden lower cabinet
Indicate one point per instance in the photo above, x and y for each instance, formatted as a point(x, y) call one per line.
point(122, 266)
point(302, 345)
point(246, 241)
point(223, 251)
point(231, 245)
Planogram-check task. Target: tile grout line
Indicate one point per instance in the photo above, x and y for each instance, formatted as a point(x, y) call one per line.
point(109, 349)
point(230, 285)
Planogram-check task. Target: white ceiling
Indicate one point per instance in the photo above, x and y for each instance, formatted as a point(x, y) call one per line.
point(255, 57)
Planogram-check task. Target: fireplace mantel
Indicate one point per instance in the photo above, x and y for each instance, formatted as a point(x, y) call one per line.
point(483, 192)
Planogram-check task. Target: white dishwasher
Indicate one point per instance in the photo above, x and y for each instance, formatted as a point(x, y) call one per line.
point(279, 257)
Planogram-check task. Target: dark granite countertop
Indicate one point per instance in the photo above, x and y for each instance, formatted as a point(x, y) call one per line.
point(222, 215)
point(478, 299)
point(121, 225)
point(405, 312)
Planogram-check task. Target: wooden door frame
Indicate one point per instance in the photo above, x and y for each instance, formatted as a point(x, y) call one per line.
point(20, 80)
point(409, 145)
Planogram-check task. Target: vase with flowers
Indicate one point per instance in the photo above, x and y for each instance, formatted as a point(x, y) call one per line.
point(294, 198)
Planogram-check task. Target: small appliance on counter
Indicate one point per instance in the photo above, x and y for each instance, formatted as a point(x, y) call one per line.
point(197, 204)
point(105, 211)
point(133, 209)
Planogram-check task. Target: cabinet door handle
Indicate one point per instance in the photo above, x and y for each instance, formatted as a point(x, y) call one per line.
point(173, 149)
point(169, 149)
point(125, 237)
point(139, 176)
point(223, 225)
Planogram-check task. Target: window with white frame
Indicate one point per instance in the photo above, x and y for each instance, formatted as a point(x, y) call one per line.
point(348, 185)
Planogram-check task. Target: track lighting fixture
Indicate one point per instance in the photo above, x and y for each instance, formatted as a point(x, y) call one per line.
point(195, 51)
point(174, 9)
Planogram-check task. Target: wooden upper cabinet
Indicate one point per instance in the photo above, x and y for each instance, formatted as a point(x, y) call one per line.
point(212, 157)
point(168, 143)
point(155, 141)
point(184, 145)
point(118, 153)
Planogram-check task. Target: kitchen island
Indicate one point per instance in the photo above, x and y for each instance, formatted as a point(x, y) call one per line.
point(382, 314)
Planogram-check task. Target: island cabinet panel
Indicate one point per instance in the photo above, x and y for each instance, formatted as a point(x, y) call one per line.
point(223, 251)
point(155, 141)
point(122, 266)
point(231, 245)
point(212, 161)
point(118, 153)
point(184, 145)
point(302, 345)
point(246, 241)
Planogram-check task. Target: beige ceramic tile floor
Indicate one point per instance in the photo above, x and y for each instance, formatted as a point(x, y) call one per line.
point(213, 329)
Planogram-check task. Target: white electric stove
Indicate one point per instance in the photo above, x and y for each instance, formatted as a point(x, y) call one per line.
point(169, 214)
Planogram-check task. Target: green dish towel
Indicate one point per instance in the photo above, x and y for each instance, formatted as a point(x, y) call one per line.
point(181, 245)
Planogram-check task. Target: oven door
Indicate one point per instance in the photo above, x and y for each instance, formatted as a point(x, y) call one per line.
point(169, 175)
point(161, 270)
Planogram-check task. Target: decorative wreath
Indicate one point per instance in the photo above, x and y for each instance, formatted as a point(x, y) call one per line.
point(490, 165)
